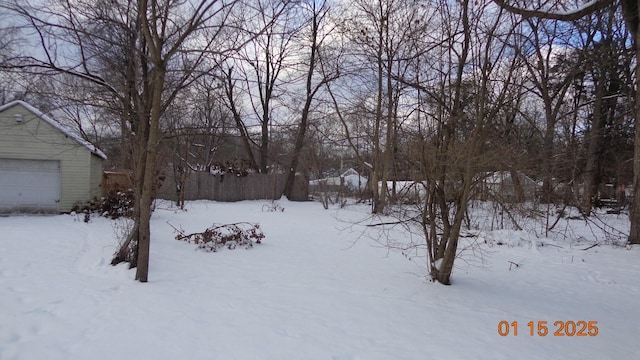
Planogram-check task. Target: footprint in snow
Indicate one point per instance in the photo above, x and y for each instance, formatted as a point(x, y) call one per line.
point(597, 278)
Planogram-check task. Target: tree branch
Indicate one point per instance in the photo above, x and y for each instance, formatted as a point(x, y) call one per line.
point(576, 14)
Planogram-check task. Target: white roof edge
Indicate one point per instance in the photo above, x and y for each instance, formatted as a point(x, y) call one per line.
point(92, 148)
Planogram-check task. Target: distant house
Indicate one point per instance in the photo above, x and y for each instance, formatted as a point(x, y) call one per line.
point(44, 167)
point(350, 180)
point(501, 186)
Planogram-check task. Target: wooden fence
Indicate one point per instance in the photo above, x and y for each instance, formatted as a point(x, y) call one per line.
point(205, 186)
point(116, 181)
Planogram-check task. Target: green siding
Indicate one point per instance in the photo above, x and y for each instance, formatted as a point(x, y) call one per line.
point(34, 138)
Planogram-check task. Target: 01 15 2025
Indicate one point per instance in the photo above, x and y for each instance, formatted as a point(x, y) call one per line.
point(559, 328)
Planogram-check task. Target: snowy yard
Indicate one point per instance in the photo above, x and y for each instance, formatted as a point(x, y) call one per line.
point(314, 289)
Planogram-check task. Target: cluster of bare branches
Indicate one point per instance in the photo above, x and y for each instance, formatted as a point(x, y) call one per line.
point(227, 236)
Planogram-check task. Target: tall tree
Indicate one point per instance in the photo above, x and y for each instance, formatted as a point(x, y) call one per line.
point(631, 13)
point(231, 101)
point(609, 82)
point(194, 128)
point(550, 82)
point(467, 108)
point(159, 44)
point(315, 38)
point(265, 63)
point(383, 38)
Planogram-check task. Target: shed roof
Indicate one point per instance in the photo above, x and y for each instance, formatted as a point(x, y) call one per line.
point(66, 131)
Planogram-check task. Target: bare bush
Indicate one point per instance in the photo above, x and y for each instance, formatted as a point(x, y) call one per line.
point(230, 236)
point(113, 205)
point(272, 207)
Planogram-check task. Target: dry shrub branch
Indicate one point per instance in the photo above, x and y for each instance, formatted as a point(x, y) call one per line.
point(230, 236)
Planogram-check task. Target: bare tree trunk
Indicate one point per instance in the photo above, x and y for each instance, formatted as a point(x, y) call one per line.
point(130, 103)
point(547, 150)
point(156, 88)
point(443, 273)
point(445, 249)
point(379, 192)
point(264, 144)
point(297, 149)
point(148, 175)
point(591, 171)
point(634, 232)
point(518, 189)
point(244, 136)
point(390, 117)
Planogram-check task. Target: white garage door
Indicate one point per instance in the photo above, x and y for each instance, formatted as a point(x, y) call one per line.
point(29, 185)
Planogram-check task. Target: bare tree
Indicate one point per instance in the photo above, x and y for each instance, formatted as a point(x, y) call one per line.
point(383, 38)
point(194, 128)
point(318, 13)
point(609, 82)
point(264, 65)
point(231, 101)
point(550, 81)
point(161, 44)
point(164, 34)
point(631, 13)
point(447, 87)
point(469, 106)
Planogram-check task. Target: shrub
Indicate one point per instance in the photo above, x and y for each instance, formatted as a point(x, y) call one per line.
point(114, 204)
point(272, 207)
point(230, 236)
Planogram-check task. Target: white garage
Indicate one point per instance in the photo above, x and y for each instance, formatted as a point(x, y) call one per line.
point(44, 167)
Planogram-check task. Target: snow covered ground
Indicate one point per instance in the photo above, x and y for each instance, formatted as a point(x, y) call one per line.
point(315, 289)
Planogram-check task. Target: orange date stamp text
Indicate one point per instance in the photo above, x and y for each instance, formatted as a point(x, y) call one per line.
point(544, 328)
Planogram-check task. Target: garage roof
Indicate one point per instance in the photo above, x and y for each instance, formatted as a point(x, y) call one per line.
point(57, 125)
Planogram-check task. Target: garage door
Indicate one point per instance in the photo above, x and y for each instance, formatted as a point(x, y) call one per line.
point(29, 185)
